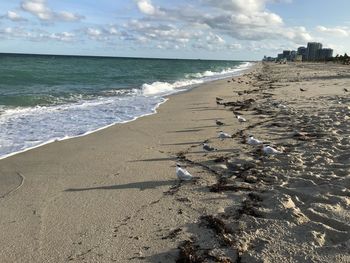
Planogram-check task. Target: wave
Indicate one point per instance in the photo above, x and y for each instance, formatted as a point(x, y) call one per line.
point(162, 88)
point(166, 88)
point(219, 74)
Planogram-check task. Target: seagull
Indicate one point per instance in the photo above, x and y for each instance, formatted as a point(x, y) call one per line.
point(268, 150)
point(219, 123)
point(222, 135)
point(240, 118)
point(183, 174)
point(301, 89)
point(252, 141)
point(208, 148)
point(346, 90)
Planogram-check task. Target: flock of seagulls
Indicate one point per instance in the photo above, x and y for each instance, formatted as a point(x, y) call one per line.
point(183, 175)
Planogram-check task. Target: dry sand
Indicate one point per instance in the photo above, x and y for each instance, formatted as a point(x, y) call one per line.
point(112, 196)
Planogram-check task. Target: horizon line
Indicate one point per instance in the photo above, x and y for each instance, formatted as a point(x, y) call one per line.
point(102, 56)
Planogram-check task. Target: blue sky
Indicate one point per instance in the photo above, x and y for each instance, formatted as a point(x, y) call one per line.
point(206, 29)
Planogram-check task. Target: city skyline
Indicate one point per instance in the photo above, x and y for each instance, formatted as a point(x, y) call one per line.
point(313, 51)
point(197, 29)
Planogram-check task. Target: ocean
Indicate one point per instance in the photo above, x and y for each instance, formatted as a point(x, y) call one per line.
point(48, 98)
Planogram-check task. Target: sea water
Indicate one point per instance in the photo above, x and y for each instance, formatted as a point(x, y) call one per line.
point(48, 98)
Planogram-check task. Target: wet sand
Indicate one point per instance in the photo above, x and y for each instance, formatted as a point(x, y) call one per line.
point(112, 196)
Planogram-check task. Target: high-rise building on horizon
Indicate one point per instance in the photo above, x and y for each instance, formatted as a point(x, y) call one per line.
point(313, 51)
point(325, 53)
point(303, 52)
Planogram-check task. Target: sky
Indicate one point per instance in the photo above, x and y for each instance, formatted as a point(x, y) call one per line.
point(193, 29)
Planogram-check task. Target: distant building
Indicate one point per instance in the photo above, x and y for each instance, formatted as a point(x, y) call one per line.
point(293, 55)
point(325, 54)
point(303, 52)
point(298, 58)
point(269, 59)
point(313, 51)
point(286, 54)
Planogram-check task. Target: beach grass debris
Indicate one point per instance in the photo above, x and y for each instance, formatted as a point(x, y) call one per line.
point(219, 123)
point(188, 253)
point(220, 228)
point(174, 233)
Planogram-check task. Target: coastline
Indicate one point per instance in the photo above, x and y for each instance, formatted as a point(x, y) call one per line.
point(163, 97)
point(101, 198)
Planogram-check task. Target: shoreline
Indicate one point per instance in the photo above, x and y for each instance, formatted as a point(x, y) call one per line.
point(85, 134)
point(154, 111)
point(100, 198)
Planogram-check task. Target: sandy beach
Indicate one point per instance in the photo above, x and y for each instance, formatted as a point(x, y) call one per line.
point(113, 196)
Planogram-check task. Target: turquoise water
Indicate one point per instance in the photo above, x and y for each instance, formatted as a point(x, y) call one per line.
point(45, 98)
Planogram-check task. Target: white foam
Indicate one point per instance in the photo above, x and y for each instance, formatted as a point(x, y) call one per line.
point(166, 88)
point(161, 88)
point(211, 75)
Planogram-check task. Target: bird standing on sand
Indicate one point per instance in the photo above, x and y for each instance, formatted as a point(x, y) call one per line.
point(346, 90)
point(252, 141)
point(219, 123)
point(222, 135)
point(182, 174)
point(208, 148)
point(240, 118)
point(301, 89)
point(268, 150)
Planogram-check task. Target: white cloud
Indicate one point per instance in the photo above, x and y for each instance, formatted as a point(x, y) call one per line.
point(36, 35)
point(64, 36)
point(242, 6)
point(67, 16)
point(239, 19)
point(147, 8)
point(40, 9)
point(37, 8)
point(94, 32)
point(13, 16)
point(335, 31)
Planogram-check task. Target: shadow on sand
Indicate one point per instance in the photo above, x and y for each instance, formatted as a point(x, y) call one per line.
point(141, 186)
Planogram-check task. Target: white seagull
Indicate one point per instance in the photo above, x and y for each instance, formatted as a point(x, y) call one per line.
point(183, 174)
point(208, 148)
point(222, 135)
point(240, 118)
point(252, 141)
point(268, 150)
